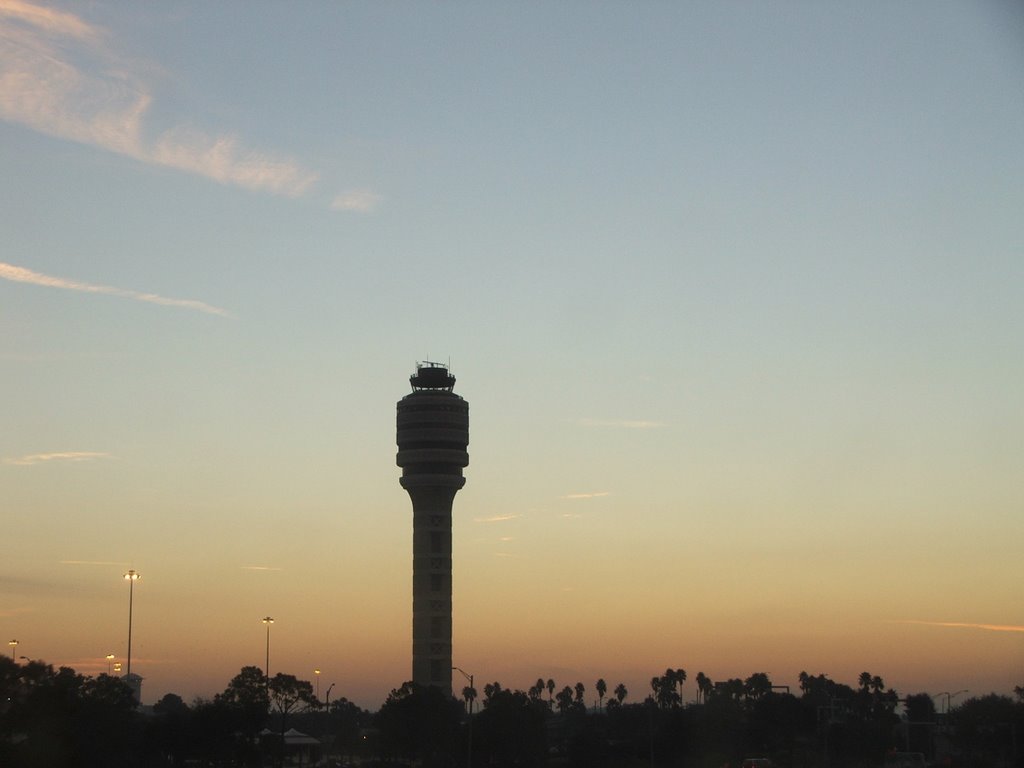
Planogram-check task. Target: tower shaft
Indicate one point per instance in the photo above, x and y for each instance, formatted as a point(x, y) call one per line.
point(433, 434)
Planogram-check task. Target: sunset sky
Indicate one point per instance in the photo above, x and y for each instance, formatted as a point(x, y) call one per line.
point(734, 291)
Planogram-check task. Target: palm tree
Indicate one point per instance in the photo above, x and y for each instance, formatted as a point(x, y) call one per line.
point(864, 680)
point(579, 695)
point(805, 682)
point(469, 694)
point(680, 678)
point(602, 689)
point(620, 692)
point(703, 685)
point(551, 692)
point(565, 699)
point(490, 691)
point(664, 689)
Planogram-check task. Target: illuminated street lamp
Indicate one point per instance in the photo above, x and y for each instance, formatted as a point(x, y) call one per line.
point(14, 648)
point(131, 577)
point(268, 621)
point(117, 667)
point(317, 673)
point(110, 659)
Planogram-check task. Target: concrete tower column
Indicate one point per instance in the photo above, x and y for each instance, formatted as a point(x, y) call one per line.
point(433, 434)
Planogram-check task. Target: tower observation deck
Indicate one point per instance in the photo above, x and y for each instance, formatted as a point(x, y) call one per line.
point(433, 434)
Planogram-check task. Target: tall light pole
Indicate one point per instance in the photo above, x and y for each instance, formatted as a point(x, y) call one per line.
point(317, 673)
point(110, 659)
point(469, 735)
point(268, 621)
point(131, 577)
point(14, 648)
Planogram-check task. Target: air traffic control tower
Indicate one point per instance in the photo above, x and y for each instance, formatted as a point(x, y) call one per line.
point(433, 434)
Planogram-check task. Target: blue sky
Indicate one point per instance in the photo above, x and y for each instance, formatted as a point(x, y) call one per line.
point(733, 291)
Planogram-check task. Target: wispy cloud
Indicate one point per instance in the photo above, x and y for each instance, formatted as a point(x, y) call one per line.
point(495, 519)
point(594, 495)
point(621, 423)
point(260, 568)
point(41, 458)
point(10, 613)
point(359, 201)
point(966, 625)
point(22, 275)
point(63, 77)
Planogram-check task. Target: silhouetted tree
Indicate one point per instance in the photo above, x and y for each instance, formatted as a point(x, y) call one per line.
point(60, 718)
point(704, 686)
point(511, 732)
point(564, 700)
point(551, 692)
point(490, 690)
point(864, 680)
point(664, 688)
point(987, 729)
point(419, 723)
point(602, 689)
point(288, 694)
point(171, 728)
point(536, 690)
point(775, 723)
point(343, 727)
point(919, 723)
point(469, 694)
point(620, 693)
point(247, 698)
point(757, 685)
point(580, 689)
point(680, 679)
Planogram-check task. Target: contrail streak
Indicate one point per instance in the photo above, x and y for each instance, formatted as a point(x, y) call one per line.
point(966, 625)
point(22, 275)
point(38, 458)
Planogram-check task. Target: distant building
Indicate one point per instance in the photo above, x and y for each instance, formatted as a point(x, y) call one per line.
point(433, 435)
point(134, 682)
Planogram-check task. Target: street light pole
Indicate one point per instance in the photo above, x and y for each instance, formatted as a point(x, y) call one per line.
point(110, 658)
point(317, 673)
point(14, 648)
point(469, 736)
point(131, 577)
point(268, 621)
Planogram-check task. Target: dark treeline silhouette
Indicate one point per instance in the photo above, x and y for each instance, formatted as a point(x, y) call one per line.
point(54, 718)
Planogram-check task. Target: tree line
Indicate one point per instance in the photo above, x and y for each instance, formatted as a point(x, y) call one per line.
point(56, 717)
